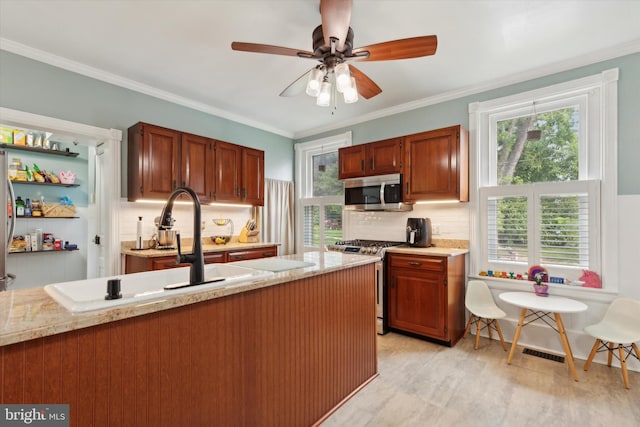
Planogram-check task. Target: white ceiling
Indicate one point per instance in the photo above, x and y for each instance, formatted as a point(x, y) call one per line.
point(180, 50)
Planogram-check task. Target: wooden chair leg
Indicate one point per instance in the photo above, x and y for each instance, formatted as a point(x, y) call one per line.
point(610, 354)
point(504, 346)
point(466, 330)
point(489, 321)
point(478, 323)
point(623, 365)
point(635, 348)
point(592, 354)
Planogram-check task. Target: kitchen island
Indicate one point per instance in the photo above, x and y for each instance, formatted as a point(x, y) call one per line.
point(286, 350)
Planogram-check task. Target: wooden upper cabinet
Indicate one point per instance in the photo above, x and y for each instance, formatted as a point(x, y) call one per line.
point(253, 176)
point(228, 172)
point(160, 160)
point(351, 161)
point(153, 162)
point(384, 157)
point(375, 158)
point(197, 165)
point(437, 165)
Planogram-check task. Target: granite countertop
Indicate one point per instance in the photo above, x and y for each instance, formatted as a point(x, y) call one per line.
point(128, 247)
point(27, 314)
point(434, 250)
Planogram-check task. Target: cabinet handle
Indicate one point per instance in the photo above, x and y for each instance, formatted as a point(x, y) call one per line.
point(266, 254)
point(407, 185)
point(416, 263)
point(371, 164)
point(393, 282)
point(174, 184)
point(362, 165)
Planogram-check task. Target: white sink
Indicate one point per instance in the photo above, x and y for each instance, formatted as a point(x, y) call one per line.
point(87, 295)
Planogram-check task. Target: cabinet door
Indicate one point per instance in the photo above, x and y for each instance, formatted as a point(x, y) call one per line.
point(252, 254)
point(417, 302)
point(153, 162)
point(253, 176)
point(384, 157)
point(215, 257)
point(351, 161)
point(228, 164)
point(198, 162)
point(436, 166)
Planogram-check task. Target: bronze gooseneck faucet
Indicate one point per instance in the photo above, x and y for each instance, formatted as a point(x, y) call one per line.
point(195, 258)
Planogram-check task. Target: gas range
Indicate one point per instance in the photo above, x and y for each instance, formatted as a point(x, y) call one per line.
point(364, 247)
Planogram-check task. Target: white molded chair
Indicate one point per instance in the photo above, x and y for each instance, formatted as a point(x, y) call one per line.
point(620, 325)
point(480, 303)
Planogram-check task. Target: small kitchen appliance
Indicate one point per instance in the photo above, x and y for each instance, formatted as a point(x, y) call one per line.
point(165, 236)
point(419, 232)
point(376, 248)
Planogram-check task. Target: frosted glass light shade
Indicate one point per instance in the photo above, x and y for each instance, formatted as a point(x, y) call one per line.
point(324, 97)
point(351, 94)
point(314, 82)
point(343, 77)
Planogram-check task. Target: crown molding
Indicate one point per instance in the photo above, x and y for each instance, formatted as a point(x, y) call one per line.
point(114, 79)
point(76, 67)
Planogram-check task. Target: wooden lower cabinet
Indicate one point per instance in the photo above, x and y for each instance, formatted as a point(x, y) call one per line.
point(283, 355)
point(251, 254)
point(136, 264)
point(426, 296)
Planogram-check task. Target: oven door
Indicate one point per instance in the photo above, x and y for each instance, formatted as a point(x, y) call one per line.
point(381, 324)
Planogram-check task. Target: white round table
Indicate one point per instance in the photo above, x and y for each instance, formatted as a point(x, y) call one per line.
point(541, 308)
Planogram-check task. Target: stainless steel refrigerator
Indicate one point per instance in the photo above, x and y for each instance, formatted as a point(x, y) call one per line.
point(8, 222)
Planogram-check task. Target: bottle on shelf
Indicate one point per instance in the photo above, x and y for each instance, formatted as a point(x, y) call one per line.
point(19, 206)
point(27, 207)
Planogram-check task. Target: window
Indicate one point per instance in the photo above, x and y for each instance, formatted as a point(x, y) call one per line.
point(541, 170)
point(320, 193)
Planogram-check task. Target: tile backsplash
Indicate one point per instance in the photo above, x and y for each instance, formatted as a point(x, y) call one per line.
point(448, 221)
point(129, 213)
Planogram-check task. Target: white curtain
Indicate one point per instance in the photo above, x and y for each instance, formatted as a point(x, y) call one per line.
point(277, 220)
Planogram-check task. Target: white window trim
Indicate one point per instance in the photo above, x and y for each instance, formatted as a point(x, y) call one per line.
point(304, 163)
point(603, 139)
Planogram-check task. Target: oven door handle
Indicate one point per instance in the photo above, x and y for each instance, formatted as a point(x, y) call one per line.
point(382, 200)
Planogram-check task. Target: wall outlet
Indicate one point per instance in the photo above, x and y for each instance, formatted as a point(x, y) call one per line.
point(435, 229)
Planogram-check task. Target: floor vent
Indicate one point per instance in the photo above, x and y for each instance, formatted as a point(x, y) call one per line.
point(544, 355)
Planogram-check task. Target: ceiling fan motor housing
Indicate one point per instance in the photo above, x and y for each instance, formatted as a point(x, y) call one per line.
point(320, 49)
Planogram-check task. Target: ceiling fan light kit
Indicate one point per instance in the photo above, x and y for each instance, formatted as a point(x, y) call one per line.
point(333, 47)
point(314, 82)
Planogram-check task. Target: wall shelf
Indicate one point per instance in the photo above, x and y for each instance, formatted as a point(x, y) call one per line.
point(44, 183)
point(44, 252)
point(40, 150)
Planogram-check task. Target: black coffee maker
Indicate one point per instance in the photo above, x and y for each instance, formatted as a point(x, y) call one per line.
point(419, 232)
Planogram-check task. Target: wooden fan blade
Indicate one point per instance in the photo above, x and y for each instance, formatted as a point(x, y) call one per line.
point(367, 88)
point(266, 48)
point(336, 17)
point(298, 86)
point(413, 47)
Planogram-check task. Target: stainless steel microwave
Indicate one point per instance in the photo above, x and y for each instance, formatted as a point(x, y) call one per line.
point(375, 193)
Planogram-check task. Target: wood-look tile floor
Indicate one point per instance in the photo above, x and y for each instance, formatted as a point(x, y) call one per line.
point(425, 384)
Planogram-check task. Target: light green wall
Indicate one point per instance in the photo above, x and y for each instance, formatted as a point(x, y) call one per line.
point(38, 88)
point(456, 112)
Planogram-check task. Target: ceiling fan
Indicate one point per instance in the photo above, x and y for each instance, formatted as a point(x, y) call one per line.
point(333, 48)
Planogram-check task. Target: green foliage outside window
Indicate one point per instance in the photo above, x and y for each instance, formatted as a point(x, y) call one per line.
point(552, 158)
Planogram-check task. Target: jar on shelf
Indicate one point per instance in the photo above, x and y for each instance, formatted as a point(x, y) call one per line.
point(14, 167)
